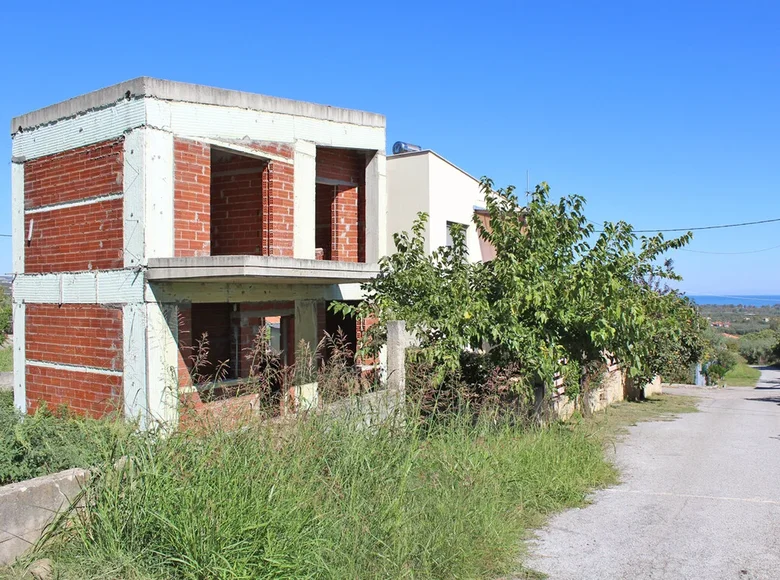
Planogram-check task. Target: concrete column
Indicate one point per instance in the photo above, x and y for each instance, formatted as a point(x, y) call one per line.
point(376, 207)
point(20, 390)
point(397, 343)
point(134, 362)
point(306, 324)
point(162, 360)
point(304, 213)
point(306, 395)
point(148, 195)
point(19, 235)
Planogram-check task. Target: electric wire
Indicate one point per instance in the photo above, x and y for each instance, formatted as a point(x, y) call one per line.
point(730, 253)
point(700, 228)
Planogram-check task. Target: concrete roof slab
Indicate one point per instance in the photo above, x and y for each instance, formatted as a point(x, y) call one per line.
point(191, 93)
point(255, 268)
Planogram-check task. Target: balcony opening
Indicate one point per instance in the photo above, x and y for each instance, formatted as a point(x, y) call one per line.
point(340, 204)
point(238, 187)
point(235, 361)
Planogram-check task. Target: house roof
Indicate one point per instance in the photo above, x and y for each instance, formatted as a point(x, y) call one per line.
point(431, 152)
point(186, 92)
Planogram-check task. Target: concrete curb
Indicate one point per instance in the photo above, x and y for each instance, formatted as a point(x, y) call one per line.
point(27, 507)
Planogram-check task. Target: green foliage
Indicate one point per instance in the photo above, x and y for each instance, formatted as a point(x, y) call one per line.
point(553, 301)
point(719, 356)
point(758, 347)
point(6, 317)
point(47, 442)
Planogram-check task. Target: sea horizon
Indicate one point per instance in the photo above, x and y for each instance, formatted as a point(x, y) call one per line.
point(736, 299)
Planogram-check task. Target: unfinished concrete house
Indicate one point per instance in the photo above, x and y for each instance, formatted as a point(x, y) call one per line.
point(151, 212)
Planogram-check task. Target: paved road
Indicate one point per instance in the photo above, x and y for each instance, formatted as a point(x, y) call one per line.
point(700, 498)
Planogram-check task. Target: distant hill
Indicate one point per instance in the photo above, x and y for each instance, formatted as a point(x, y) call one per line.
point(5, 282)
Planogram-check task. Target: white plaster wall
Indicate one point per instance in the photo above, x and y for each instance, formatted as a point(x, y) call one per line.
point(408, 193)
point(453, 195)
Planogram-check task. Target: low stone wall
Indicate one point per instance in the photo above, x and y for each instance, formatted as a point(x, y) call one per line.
point(371, 408)
point(612, 388)
point(27, 507)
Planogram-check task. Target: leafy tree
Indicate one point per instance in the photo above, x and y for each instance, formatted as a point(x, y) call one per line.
point(758, 347)
point(552, 301)
point(5, 315)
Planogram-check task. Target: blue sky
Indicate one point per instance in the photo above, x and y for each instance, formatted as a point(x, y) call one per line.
point(664, 114)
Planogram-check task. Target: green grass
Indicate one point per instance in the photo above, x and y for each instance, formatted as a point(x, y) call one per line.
point(328, 498)
point(6, 360)
point(742, 375)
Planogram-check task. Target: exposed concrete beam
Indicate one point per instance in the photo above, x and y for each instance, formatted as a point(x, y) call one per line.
point(190, 93)
point(273, 268)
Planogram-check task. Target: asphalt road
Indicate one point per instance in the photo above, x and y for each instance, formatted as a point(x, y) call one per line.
point(700, 498)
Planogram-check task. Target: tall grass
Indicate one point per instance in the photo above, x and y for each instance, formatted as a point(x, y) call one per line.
point(742, 375)
point(328, 498)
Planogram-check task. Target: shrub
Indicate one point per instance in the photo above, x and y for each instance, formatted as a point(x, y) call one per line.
point(758, 347)
point(48, 442)
point(6, 317)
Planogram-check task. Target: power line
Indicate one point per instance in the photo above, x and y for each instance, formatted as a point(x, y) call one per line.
point(5, 235)
point(718, 227)
point(730, 253)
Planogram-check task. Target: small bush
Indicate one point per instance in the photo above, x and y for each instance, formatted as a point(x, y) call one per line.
point(48, 442)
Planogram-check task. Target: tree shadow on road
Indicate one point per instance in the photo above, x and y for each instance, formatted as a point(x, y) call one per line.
point(775, 400)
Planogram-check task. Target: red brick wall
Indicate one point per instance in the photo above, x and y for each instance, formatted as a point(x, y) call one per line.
point(191, 202)
point(348, 209)
point(74, 334)
point(86, 237)
point(74, 174)
point(86, 393)
point(277, 210)
point(193, 205)
point(278, 215)
point(237, 205)
point(75, 238)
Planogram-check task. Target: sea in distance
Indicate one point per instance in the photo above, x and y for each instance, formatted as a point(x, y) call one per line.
point(758, 300)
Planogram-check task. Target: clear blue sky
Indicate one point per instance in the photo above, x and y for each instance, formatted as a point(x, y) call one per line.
point(664, 114)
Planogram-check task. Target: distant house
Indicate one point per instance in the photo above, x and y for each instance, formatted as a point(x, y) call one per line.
point(424, 181)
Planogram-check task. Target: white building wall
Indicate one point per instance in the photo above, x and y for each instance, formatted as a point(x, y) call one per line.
point(453, 196)
point(408, 193)
point(426, 182)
